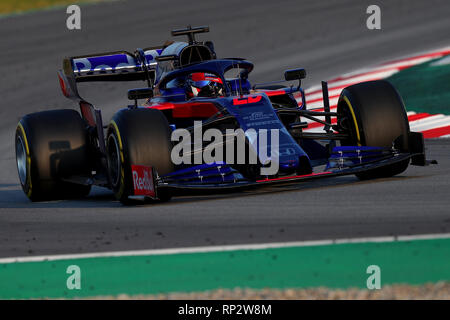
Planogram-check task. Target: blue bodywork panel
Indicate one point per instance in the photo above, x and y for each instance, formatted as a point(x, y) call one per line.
point(205, 173)
point(260, 116)
point(349, 156)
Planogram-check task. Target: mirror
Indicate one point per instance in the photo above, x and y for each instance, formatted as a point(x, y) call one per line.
point(294, 74)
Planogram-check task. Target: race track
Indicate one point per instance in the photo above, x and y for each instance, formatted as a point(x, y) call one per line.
point(328, 39)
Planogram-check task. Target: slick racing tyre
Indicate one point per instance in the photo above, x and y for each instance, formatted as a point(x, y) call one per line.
point(50, 146)
point(373, 114)
point(138, 137)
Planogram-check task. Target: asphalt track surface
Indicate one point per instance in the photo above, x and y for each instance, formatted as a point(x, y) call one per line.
point(327, 38)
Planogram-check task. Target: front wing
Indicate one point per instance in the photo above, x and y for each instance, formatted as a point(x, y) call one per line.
point(183, 188)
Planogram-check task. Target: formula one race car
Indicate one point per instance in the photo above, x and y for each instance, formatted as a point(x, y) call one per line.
point(204, 127)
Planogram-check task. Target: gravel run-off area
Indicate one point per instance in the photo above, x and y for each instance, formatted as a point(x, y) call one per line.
point(429, 291)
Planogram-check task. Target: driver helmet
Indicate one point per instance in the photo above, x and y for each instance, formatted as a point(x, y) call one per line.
point(201, 84)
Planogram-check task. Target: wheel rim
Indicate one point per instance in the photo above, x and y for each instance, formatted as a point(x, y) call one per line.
point(21, 159)
point(114, 162)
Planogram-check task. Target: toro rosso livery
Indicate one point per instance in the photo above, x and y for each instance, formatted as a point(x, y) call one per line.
point(184, 138)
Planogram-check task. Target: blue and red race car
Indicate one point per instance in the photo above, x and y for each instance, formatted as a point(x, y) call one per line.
point(204, 127)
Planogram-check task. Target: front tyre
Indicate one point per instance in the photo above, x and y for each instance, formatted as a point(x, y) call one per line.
point(373, 114)
point(138, 137)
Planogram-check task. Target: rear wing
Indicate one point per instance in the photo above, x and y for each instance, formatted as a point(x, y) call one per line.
point(110, 66)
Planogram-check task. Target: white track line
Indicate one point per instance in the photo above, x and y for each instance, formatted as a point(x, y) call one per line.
point(437, 123)
point(425, 122)
point(409, 63)
point(273, 245)
point(313, 96)
point(319, 104)
point(390, 65)
point(360, 78)
point(400, 63)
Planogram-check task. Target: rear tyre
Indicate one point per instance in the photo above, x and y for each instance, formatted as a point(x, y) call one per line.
point(50, 146)
point(138, 137)
point(373, 114)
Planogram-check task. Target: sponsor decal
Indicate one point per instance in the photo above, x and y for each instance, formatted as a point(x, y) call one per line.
point(249, 99)
point(112, 63)
point(143, 181)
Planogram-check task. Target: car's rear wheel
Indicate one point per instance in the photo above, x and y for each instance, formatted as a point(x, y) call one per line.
point(373, 114)
point(138, 137)
point(51, 146)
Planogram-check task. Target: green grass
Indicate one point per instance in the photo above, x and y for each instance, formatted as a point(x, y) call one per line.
point(425, 87)
point(333, 266)
point(19, 6)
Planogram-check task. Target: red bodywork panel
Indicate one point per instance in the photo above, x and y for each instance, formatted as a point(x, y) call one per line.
point(88, 113)
point(188, 110)
point(206, 109)
point(271, 93)
point(143, 183)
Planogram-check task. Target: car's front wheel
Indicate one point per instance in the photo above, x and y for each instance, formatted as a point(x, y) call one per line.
point(373, 114)
point(138, 137)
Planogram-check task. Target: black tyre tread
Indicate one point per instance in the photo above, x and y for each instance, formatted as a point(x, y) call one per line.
point(382, 121)
point(145, 137)
point(58, 148)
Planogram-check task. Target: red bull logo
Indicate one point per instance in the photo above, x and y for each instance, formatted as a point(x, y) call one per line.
point(143, 181)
